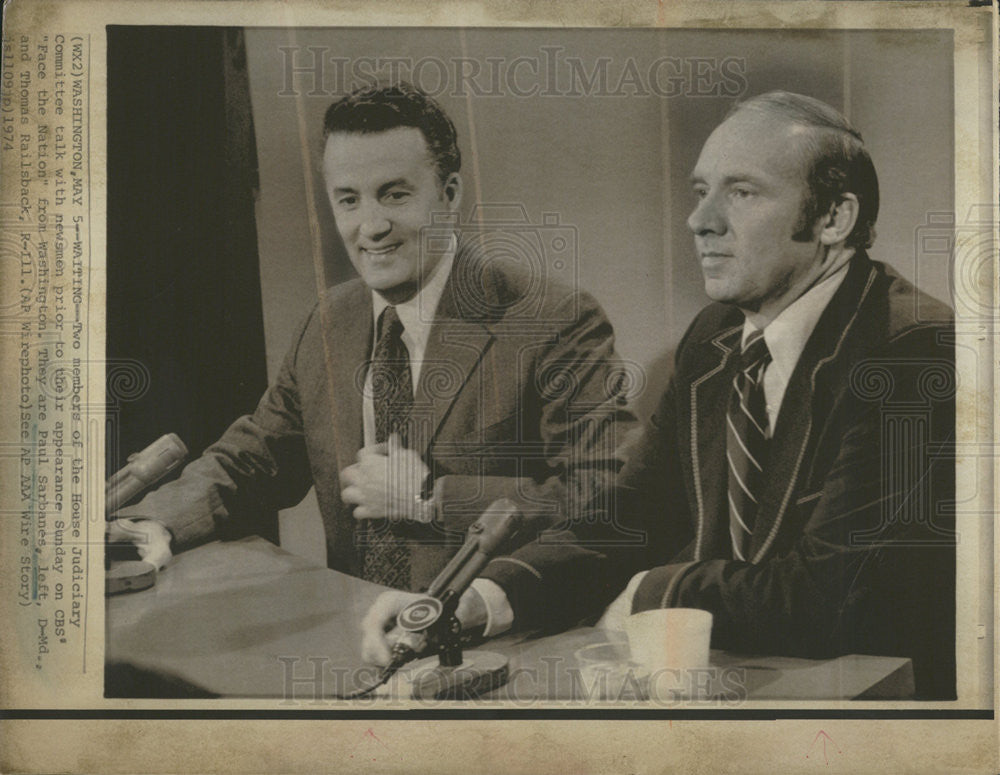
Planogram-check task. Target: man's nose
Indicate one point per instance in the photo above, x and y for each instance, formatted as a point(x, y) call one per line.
point(374, 224)
point(706, 218)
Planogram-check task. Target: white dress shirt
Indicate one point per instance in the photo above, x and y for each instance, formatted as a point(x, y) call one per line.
point(417, 316)
point(786, 338)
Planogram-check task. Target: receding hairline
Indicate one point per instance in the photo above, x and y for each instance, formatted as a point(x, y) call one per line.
point(803, 148)
point(801, 109)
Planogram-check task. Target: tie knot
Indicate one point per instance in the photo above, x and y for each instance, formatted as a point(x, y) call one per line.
point(389, 323)
point(755, 353)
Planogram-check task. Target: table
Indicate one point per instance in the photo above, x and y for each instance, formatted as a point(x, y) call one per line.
point(247, 619)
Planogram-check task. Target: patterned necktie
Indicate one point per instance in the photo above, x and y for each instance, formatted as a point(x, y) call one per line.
point(386, 558)
point(746, 442)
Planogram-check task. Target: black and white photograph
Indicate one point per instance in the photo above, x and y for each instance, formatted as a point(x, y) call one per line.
point(521, 372)
point(651, 297)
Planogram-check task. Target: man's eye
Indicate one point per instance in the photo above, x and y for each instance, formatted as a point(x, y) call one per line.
point(741, 192)
point(347, 201)
point(397, 196)
point(700, 192)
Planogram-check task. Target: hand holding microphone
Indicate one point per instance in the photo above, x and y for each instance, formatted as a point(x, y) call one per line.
point(379, 632)
point(150, 538)
point(415, 614)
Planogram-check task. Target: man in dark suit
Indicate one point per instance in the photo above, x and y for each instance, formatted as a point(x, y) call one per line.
point(795, 479)
point(442, 378)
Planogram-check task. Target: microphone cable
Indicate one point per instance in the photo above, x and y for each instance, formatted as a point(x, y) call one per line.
point(400, 656)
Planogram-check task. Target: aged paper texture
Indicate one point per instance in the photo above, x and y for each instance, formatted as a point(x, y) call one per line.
point(152, 286)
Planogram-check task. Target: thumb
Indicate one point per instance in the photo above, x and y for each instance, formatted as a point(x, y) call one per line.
point(374, 643)
point(121, 530)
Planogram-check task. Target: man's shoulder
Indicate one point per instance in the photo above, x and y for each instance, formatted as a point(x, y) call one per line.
point(883, 307)
point(909, 310)
point(497, 287)
point(346, 298)
point(350, 292)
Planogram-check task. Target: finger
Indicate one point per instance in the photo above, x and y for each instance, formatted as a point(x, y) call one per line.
point(382, 615)
point(150, 538)
point(350, 475)
point(362, 513)
point(351, 494)
point(471, 610)
point(374, 650)
point(395, 444)
point(156, 553)
point(374, 645)
point(392, 634)
point(121, 530)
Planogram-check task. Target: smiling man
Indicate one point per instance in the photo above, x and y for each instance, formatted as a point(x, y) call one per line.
point(796, 479)
point(418, 393)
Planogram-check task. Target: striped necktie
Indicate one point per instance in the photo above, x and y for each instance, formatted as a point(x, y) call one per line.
point(386, 558)
point(746, 442)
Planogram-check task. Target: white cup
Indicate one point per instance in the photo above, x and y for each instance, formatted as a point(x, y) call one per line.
point(670, 638)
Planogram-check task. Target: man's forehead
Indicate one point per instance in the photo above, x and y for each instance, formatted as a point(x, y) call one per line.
point(752, 143)
point(395, 152)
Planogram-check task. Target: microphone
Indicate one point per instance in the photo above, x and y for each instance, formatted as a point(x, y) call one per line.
point(486, 536)
point(431, 621)
point(143, 470)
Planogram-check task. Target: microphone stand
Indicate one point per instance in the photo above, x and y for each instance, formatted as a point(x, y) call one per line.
point(452, 674)
point(429, 623)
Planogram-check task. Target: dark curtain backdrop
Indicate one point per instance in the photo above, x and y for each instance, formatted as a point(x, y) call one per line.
point(185, 339)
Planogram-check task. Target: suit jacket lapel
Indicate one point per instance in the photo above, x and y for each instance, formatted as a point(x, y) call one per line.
point(347, 340)
point(709, 397)
point(808, 396)
point(458, 339)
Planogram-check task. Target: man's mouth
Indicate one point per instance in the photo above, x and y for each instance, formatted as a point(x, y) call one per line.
point(383, 251)
point(714, 262)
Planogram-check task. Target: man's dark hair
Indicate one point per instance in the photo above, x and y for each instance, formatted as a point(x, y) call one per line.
point(378, 108)
point(837, 160)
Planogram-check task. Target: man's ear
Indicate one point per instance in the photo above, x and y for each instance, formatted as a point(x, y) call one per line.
point(452, 190)
point(840, 220)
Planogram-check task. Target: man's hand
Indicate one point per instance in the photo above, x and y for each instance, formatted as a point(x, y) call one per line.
point(377, 629)
point(385, 482)
point(150, 537)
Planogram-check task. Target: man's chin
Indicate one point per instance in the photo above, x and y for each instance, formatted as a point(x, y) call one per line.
point(394, 292)
point(720, 291)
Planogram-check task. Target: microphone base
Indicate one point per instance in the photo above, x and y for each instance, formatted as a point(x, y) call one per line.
point(479, 673)
point(128, 576)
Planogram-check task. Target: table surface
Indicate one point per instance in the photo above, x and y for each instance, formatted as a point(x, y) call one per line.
point(247, 619)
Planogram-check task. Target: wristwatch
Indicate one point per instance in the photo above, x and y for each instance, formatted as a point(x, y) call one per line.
point(425, 509)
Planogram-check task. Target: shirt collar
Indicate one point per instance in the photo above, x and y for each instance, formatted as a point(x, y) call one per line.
point(787, 334)
point(417, 314)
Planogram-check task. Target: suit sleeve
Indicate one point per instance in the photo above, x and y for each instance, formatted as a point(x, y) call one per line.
point(575, 394)
point(638, 518)
point(259, 465)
